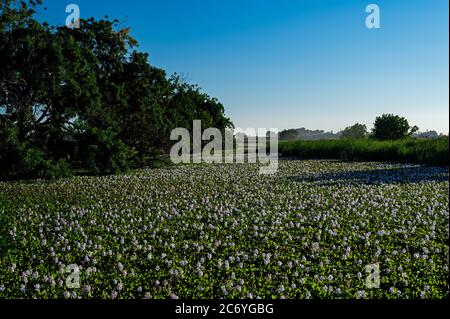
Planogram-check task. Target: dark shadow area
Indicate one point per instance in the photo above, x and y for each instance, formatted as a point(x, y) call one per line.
point(397, 175)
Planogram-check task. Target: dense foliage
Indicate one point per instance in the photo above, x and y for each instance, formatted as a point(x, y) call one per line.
point(212, 231)
point(85, 99)
point(424, 151)
point(392, 127)
point(355, 131)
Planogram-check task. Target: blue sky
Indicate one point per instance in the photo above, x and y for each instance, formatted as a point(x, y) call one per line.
point(289, 64)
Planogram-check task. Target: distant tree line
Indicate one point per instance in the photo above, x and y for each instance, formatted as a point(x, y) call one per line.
point(85, 99)
point(387, 127)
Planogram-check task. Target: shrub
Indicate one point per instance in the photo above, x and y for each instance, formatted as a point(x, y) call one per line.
point(392, 127)
point(355, 131)
point(101, 152)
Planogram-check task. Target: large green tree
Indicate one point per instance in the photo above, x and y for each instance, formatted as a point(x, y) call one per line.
point(86, 98)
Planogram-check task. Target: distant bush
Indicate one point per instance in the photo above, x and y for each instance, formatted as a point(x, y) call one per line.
point(429, 152)
point(392, 127)
point(355, 131)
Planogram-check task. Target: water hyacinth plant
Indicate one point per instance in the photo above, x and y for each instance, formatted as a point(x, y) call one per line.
point(224, 231)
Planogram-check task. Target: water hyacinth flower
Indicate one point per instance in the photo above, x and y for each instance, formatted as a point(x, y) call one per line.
point(280, 289)
point(314, 234)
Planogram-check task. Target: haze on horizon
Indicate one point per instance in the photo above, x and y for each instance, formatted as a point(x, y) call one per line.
point(292, 64)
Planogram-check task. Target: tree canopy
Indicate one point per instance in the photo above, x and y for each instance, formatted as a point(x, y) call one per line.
point(355, 131)
point(392, 127)
point(86, 98)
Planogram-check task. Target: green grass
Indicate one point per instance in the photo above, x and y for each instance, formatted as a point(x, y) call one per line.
point(429, 152)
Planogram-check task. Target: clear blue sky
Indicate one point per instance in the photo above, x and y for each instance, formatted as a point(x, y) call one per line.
point(289, 64)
